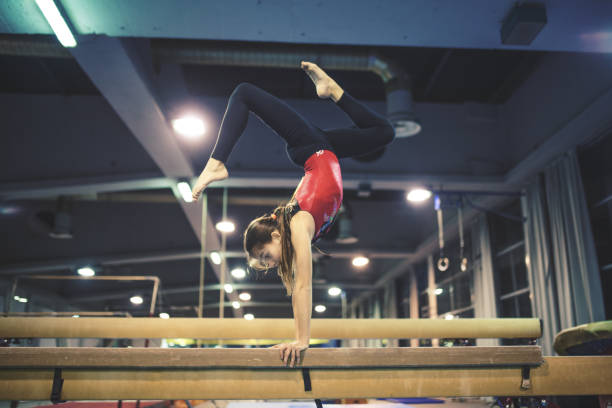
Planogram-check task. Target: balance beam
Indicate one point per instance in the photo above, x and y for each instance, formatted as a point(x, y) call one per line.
point(555, 376)
point(98, 357)
point(237, 328)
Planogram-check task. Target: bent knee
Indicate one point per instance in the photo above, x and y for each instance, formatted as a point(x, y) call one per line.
point(243, 88)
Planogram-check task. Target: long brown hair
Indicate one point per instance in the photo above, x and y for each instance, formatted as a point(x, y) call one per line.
point(259, 233)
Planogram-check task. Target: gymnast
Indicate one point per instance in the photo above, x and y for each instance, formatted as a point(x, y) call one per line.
point(283, 238)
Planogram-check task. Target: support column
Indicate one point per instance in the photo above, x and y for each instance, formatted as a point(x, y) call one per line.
point(431, 290)
point(414, 302)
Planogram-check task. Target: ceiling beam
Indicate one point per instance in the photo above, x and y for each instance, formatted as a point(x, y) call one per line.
point(351, 181)
point(71, 264)
point(121, 70)
point(571, 26)
point(240, 180)
point(89, 186)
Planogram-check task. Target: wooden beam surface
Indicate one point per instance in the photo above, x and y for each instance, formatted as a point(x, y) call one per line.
point(89, 357)
point(556, 376)
point(237, 328)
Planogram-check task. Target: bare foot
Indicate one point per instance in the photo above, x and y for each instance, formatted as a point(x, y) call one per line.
point(326, 87)
point(213, 171)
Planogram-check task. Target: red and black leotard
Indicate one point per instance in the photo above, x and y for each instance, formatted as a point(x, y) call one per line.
point(320, 190)
point(318, 150)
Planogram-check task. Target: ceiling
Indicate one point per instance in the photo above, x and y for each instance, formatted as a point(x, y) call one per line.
point(92, 125)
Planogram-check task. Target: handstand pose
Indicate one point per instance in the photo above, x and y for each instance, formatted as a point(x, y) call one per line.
point(283, 238)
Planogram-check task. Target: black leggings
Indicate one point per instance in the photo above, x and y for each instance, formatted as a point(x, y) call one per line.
point(372, 132)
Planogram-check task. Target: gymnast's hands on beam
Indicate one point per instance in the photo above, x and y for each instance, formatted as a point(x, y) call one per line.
point(291, 353)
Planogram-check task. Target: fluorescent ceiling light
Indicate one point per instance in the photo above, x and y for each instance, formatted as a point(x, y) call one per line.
point(245, 296)
point(418, 194)
point(185, 189)
point(439, 291)
point(334, 291)
point(164, 315)
point(228, 288)
point(236, 305)
point(225, 226)
point(190, 126)
point(76, 316)
point(249, 316)
point(57, 23)
point(320, 308)
point(86, 271)
point(238, 273)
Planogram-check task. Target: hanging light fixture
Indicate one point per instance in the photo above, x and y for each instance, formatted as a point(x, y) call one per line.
point(345, 226)
point(399, 106)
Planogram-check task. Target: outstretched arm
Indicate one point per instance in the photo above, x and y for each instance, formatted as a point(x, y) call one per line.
point(302, 231)
point(302, 292)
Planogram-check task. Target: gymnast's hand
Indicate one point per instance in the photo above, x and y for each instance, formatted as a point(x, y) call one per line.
point(291, 353)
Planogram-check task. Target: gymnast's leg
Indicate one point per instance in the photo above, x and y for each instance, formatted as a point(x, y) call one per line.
point(290, 125)
point(373, 131)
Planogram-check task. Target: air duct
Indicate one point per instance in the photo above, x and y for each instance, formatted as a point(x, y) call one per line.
point(396, 80)
point(32, 46)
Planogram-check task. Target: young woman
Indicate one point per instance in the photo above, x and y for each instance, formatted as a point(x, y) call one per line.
point(283, 238)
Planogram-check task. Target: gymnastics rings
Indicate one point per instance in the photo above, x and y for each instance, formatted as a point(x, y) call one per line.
point(443, 264)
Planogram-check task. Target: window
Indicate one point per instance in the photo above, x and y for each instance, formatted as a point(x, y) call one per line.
point(454, 285)
point(510, 271)
point(596, 171)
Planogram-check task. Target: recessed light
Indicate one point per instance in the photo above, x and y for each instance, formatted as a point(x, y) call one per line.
point(189, 125)
point(215, 257)
point(238, 273)
point(8, 210)
point(225, 226)
point(418, 195)
point(360, 261)
point(86, 271)
point(334, 291)
point(320, 308)
point(137, 300)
